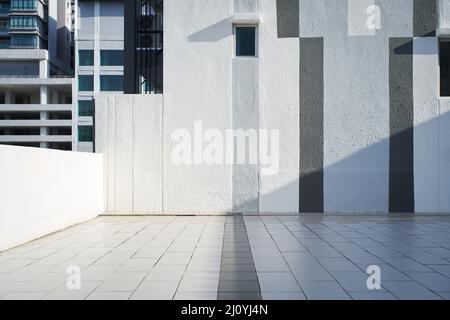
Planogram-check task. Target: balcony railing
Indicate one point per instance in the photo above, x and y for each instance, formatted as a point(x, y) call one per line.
point(4, 10)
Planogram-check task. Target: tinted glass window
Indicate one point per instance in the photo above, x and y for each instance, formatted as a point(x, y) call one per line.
point(111, 83)
point(86, 57)
point(85, 108)
point(245, 41)
point(85, 83)
point(111, 57)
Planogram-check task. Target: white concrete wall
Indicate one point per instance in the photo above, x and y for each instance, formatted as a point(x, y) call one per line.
point(279, 88)
point(129, 134)
point(203, 81)
point(43, 191)
point(198, 50)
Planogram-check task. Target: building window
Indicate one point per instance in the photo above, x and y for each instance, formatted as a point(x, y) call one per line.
point(24, 4)
point(24, 41)
point(111, 83)
point(111, 57)
point(85, 57)
point(85, 108)
point(444, 66)
point(24, 22)
point(86, 83)
point(245, 41)
point(144, 53)
point(85, 133)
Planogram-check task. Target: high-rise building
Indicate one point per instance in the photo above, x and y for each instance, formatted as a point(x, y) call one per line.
point(36, 77)
point(99, 51)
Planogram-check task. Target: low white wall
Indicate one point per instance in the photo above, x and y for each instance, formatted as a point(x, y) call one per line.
point(43, 191)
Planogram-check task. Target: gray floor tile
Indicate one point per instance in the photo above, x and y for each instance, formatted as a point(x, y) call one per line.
point(323, 290)
point(338, 264)
point(278, 282)
point(433, 281)
point(155, 290)
point(200, 296)
point(239, 296)
point(409, 290)
point(383, 295)
point(245, 276)
point(109, 295)
point(122, 281)
point(238, 286)
point(310, 272)
point(271, 265)
point(283, 296)
point(354, 281)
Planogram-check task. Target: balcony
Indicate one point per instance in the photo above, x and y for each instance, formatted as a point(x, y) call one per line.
point(34, 107)
point(35, 123)
point(36, 138)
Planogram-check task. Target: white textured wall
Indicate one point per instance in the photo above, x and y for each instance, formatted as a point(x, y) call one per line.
point(444, 14)
point(279, 90)
point(43, 191)
point(356, 102)
point(198, 49)
point(202, 82)
point(129, 134)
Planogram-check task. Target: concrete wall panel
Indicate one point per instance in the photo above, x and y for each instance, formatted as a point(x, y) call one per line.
point(124, 154)
point(198, 47)
point(279, 90)
point(426, 125)
point(245, 117)
point(147, 154)
point(55, 190)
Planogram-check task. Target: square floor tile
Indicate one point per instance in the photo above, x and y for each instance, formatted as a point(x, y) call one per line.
point(155, 290)
point(278, 282)
point(323, 290)
point(122, 281)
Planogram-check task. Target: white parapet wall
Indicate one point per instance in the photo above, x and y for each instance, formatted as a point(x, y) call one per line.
point(43, 191)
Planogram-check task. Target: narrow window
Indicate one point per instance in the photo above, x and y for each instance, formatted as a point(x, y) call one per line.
point(86, 83)
point(111, 83)
point(85, 57)
point(444, 66)
point(111, 57)
point(85, 108)
point(85, 134)
point(245, 41)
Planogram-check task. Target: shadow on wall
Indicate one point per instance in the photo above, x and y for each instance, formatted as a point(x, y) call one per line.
point(213, 33)
point(360, 182)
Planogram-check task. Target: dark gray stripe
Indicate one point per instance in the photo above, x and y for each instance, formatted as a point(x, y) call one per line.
point(401, 148)
point(238, 279)
point(311, 125)
point(288, 18)
point(425, 18)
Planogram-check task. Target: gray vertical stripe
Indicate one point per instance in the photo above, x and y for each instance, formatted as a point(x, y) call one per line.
point(238, 279)
point(288, 18)
point(311, 125)
point(401, 148)
point(425, 18)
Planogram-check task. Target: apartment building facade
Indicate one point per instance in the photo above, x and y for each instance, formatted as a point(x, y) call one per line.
point(35, 74)
point(99, 51)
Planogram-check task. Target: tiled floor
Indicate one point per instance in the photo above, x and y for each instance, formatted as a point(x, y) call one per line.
point(251, 257)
